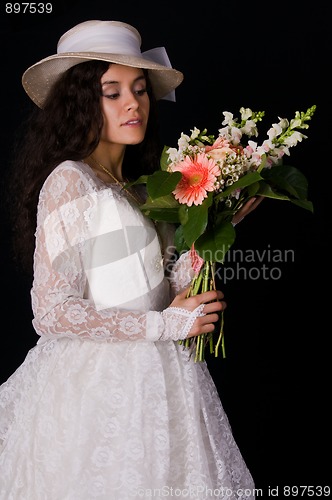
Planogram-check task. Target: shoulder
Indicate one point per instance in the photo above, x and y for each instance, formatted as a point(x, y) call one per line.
point(70, 179)
point(70, 171)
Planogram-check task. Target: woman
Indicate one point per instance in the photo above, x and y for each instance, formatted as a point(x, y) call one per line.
point(107, 404)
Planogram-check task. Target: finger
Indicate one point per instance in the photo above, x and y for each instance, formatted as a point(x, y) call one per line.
point(204, 324)
point(250, 202)
point(257, 201)
point(209, 296)
point(248, 207)
point(213, 307)
point(209, 318)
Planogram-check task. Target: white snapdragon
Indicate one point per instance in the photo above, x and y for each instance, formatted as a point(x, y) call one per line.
point(228, 119)
point(274, 131)
point(236, 135)
point(284, 123)
point(246, 113)
point(256, 159)
point(194, 133)
point(183, 142)
point(173, 155)
point(225, 132)
point(293, 139)
point(278, 153)
point(250, 129)
point(296, 122)
point(266, 146)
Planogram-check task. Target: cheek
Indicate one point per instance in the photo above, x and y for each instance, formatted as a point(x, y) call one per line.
point(108, 119)
point(106, 129)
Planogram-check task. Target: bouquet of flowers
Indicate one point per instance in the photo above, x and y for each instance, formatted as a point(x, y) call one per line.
point(205, 181)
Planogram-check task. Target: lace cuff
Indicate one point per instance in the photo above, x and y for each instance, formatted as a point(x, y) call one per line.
point(178, 322)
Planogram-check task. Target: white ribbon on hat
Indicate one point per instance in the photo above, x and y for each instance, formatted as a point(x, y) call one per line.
point(125, 42)
point(99, 38)
point(159, 56)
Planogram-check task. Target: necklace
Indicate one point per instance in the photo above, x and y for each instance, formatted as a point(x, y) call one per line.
point(137, 200)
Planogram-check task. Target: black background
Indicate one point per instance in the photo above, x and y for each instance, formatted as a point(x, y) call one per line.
point(274, 57)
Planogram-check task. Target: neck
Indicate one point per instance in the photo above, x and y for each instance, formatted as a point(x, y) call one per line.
point(101, 168)
point(104, 170)
point(110, 158)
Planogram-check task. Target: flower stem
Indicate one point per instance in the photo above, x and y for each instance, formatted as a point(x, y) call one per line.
point(221, 339)
point(202, 282)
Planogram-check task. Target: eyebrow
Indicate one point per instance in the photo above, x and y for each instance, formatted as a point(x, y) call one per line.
point(112, 82)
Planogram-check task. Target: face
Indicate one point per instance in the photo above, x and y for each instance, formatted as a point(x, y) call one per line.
point(125, 105)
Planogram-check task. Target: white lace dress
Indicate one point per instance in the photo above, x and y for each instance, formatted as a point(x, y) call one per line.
point(107, 405)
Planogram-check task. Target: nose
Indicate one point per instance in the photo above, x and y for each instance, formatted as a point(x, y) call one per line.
point(131, 102)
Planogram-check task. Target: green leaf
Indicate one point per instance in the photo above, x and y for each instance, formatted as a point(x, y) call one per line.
point(183, 213)
point(243, 182)
point(179, 240)
point(215, 242)
point(252, 190)
point(197, 220)
point(164, 202)
point(289, 179)
point(266, 190)
point(306, 204)
point(162, 183)
point(141, 180)
point(165, 208)
point(159, 214)
point(164, 159)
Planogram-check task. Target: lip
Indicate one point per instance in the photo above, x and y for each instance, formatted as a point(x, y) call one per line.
point(134, 122)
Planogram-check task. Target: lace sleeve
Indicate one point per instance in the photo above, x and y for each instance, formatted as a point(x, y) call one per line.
point(60, 307)
point(181, 274)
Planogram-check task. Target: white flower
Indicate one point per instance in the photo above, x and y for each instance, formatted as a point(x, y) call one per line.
point(194, 133)
point(246, 113)
point(183, 142)
point(293, 139)
point(250, 129)
point(266, 147)
point(283, 122)
point(173, 155)
point(228, 118)
point(236, 135)
point(279, 152)
point(295, 123)
point(274, 131)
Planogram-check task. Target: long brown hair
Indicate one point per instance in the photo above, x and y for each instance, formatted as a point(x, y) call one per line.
point(67, 128)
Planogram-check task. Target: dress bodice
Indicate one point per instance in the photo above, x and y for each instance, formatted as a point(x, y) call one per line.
point(97, 256)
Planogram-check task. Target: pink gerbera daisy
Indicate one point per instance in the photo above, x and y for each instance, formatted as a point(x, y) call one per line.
point(199, 175)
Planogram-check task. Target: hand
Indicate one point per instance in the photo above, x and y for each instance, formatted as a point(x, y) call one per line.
point(213, 304)
point(248, 207)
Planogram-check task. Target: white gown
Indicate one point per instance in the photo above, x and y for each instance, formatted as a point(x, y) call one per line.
point(104, 406)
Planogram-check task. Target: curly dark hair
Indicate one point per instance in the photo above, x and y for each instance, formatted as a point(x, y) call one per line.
point(67, 128)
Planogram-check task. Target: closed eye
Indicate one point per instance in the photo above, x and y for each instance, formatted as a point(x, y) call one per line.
point(111, 96)
point(116, 95)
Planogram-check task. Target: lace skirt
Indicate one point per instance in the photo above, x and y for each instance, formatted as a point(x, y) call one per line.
point(81, 420)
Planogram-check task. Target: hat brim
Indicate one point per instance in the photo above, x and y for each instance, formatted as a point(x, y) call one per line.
point(39, 78)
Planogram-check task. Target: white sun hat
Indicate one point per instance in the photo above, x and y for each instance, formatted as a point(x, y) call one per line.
point(110, 41)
